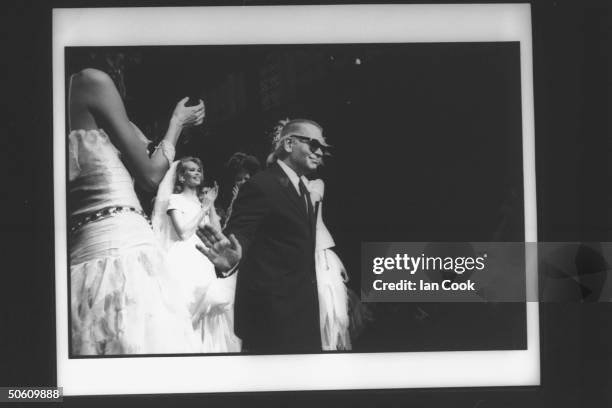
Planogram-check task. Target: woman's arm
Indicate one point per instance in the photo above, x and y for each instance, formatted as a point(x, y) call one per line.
point(185, 227)
point(100, 96)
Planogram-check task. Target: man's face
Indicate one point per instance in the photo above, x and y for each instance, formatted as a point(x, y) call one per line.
point(303, 158)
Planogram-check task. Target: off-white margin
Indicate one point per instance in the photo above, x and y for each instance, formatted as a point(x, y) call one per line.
point(291, 25)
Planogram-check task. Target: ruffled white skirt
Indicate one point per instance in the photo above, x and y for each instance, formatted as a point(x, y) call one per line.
point(333, 301)
point(210, 300)
point(214, 317)
point(123, 300)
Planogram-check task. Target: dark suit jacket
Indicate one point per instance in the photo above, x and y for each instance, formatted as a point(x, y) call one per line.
point(276, 306)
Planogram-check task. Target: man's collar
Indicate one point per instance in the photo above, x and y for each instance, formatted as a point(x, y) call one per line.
point(295, 179)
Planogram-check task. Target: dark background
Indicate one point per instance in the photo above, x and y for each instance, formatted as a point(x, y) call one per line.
point(427, 147)
point(571, 41)
point(427, 137)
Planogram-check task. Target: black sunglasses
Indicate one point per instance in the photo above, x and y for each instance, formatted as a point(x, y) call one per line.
point(313, 144)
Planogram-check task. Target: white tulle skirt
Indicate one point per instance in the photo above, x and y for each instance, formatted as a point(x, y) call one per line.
point(214, 317)
point(210, 300)
point(123, 300)
point(333, 301)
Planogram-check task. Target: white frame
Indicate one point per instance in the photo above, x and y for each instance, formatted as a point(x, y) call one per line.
point(291, 25)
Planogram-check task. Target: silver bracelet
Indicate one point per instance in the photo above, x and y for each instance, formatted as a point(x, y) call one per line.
point(167, 149)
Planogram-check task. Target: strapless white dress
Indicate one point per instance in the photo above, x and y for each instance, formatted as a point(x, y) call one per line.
point(123, 300)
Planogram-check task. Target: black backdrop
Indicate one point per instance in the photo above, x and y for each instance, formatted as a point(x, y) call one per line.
point(427, 137)
point(572, 88)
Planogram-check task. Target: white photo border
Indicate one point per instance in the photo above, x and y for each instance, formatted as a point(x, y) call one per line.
point(291, 25)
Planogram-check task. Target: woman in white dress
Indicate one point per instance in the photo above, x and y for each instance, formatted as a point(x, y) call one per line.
point(180, 208)
point(331, 279)
point(123, 300)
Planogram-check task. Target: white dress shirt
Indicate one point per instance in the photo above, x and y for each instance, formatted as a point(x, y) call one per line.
point(295, 179)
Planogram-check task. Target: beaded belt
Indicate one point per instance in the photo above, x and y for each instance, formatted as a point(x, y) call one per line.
point(78, 221)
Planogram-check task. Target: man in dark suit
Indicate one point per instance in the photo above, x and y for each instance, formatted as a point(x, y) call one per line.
point(272, 243)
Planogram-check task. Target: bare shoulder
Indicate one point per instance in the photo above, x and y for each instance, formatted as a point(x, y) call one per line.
point(96, 90)
point(91, 77)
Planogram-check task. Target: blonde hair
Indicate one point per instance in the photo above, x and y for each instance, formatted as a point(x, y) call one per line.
point(180, 171)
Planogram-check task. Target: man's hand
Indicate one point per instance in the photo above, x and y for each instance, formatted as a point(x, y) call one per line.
point(223, 252)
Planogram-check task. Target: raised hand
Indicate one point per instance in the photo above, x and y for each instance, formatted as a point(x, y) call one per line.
point(345, 277)
point(210, 194)
point(235, 190)
point(223, 252)
point(187, 116)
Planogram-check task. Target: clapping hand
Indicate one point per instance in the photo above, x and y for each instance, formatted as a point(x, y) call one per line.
point(235, 190)
point(209, 195)
point(223, 252)
point(187, 116)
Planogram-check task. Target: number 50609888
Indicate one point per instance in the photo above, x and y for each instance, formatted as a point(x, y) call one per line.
point(8, 394)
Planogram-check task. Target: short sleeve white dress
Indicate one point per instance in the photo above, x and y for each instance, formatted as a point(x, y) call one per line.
point(209, 299)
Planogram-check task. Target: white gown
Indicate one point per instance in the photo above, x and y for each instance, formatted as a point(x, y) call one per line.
point(122, 299)
point(333, 293)
point(209, 299)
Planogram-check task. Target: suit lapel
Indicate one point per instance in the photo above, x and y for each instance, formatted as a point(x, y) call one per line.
point(289, 191)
